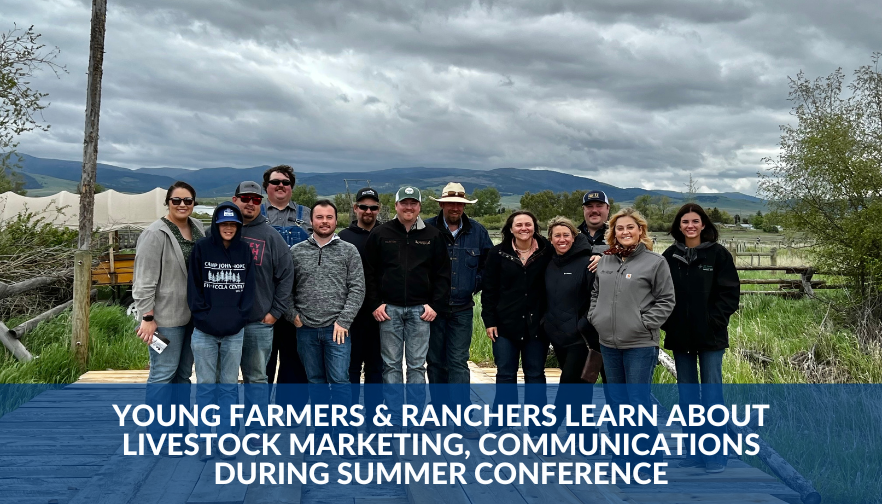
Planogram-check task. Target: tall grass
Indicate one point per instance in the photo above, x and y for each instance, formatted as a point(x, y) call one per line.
point(112, 345)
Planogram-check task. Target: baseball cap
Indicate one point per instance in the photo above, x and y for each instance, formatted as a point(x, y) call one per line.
point(248, 187)
point(408, 192)
point(366, 192)
point(228, 215)
point(595, 196)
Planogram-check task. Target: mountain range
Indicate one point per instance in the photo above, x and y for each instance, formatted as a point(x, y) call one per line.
point(48, 176)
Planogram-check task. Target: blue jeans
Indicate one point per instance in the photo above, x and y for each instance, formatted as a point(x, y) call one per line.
point(365, 336)
point(708, 366)
point(169, 378)
point(448, 357)
point(404, 337)
point(532, 353)
point(326, 362)
point(256, 347)
point(629, 373)
point(217, 374)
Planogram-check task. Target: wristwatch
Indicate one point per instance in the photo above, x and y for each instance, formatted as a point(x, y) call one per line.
point(147, 318)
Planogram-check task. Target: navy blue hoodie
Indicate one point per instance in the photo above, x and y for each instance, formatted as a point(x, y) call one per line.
point(220, 286)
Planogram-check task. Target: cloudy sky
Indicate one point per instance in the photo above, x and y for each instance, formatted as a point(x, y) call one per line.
point(630, 92)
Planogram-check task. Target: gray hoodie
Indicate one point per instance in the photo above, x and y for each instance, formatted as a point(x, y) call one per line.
point(274, 271)
point(329, 285)
point(632, 298)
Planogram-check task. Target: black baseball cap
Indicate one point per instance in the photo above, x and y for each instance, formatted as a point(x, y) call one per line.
point(366, 192)
point(595, 196)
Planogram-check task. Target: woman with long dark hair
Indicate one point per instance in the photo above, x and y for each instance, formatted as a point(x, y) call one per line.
point(707, 290)
point(513, 303)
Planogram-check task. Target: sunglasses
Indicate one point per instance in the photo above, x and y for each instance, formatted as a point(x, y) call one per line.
point(372, 208)
point(455, 194)
point(285, 182)
point(249, 199)
point(178, 201)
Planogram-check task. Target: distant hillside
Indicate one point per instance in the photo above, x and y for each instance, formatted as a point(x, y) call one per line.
point(44, 176)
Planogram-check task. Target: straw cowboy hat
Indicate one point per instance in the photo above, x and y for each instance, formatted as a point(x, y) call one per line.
point(453, 193)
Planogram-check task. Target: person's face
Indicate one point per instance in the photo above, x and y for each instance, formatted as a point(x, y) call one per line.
point(227, 230)
point(452, 211)
point(562, 239)
point(249, 205)
point(181, 203)
point(324, 221)
point(408, 209)
point(522, 228)
point(277, 190)
point(627, 231)
point(366, 211)
point(691, 225)
point(596, 213)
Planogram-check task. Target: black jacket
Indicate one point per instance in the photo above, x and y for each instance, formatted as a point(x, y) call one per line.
point(513, 297)
point(356, 236)
point(600, 239)
point(220, 284)
point(568, 284)
point(707, 290)
point(407, 268)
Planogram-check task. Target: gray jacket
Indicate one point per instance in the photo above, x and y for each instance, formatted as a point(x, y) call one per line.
point(632, 298)
point(160, 277)
point(328, 283)
point(273, 270)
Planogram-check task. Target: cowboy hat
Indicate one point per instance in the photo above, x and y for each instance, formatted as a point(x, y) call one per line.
point(453, 193)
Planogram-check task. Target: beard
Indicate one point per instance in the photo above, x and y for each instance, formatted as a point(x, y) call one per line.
point(367, 219)
point(323, 234)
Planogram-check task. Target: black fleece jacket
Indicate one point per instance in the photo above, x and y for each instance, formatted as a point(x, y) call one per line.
point(568, 284)
point(220, 284)
point(513, 297)
point(707, 290)
point(407, 268)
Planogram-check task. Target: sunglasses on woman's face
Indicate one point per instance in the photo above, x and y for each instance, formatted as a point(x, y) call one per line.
point(284, 182)
point(249, 199)
point(365, 208)
point(178, 201)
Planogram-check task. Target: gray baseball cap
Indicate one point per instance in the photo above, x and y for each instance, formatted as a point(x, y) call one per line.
point(249, 187)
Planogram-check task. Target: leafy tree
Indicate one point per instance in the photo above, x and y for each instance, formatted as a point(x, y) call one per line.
point(827, 181)
point(487, 204)
point(304, 195)
point(429, 207)
point(21, 54)
point(758, 220)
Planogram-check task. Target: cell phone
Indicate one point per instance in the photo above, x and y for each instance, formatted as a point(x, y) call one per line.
point(159, 342)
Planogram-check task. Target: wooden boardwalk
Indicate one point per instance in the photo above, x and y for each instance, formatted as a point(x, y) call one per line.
point(49, 456)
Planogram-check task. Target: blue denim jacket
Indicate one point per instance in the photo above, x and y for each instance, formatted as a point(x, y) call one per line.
point(468, 254)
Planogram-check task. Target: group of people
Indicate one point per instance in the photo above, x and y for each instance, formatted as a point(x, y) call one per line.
point(273, 285)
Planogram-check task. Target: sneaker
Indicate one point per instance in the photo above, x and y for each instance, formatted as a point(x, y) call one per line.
point(203, 452)
point(254, 445)
point(467, 432)
point(690, 462)
point(713, 468)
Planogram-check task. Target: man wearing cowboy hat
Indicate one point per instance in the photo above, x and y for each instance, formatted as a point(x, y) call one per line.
point(468, 244)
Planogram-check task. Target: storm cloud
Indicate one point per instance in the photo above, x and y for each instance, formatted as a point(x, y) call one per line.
point(632, 93)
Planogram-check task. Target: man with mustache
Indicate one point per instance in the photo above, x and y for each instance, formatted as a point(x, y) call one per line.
point(595, 208)
point(274, 275)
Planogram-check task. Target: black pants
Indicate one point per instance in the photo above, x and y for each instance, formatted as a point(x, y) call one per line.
point(291, 370)
point(365, 350)
point(573, 391)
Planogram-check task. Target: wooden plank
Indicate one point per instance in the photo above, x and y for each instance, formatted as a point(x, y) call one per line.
point(495, 493)
point(695, 474)
point(289, 493)
point(44, 483)
point(431, 494)
point(675, 498)
point(778, 490)
point(61, 496)
point(117, 481)
point(50, 471)
point(40, 461)
point(171, 481)
point(206, 491)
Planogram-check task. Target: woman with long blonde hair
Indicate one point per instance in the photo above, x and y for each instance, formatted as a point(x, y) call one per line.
point(633, 296)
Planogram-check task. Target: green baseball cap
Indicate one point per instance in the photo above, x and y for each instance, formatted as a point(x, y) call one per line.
point(408, 192)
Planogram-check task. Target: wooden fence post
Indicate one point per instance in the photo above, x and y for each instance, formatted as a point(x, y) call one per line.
point(774, 256)
point(83, 259)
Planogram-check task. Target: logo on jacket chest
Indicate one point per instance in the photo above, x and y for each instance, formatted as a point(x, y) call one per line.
point(257, 248)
